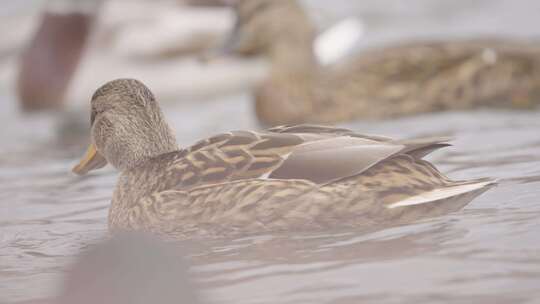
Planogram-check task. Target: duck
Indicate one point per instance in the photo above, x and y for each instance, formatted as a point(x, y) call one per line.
point(394, 80)
point(73, 39)
point(299, 177)
point(52, 57)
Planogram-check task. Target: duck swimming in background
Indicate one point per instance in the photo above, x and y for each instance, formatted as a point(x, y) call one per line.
point(380, 83)
point(288, 177)
point(112, 36)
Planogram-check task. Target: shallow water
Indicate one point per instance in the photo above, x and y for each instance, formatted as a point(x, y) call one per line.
point(487, 253)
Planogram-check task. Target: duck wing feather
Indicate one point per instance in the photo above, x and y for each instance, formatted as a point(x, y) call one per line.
point(318, 154)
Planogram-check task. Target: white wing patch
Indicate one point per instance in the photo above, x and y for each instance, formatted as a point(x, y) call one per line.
point(267, 174)
point(438, 194)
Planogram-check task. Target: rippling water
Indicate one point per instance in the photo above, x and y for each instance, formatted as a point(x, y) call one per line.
point(487, 253)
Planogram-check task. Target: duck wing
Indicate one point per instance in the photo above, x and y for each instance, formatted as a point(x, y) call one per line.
point(318, 154)
point(417, 147)
point(237, 181)
point(404, 187)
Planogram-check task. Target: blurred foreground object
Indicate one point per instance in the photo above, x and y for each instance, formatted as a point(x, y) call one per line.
point(385, 82)
point(128, 269)
point(243, 182)
point(54, 53)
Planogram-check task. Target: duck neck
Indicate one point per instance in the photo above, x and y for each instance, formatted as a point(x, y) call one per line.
point(136, 183)
point(136, 141)
point(294, 59)
point(287, 95)
point(142, 152)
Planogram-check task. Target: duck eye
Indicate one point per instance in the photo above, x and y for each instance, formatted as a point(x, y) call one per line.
point(93, 115)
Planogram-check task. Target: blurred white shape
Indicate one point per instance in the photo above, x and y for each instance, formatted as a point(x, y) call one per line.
point(181, 31)
point(337, 41)
point(489, 56)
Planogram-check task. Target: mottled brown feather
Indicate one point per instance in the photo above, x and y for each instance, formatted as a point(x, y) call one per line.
point(385, 81)
point(289, 177)
point(252, 181)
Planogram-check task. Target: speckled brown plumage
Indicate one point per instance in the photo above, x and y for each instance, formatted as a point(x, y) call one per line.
point(288, 177)
point(384, 82)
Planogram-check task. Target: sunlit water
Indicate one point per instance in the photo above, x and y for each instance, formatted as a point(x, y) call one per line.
point(489, 252)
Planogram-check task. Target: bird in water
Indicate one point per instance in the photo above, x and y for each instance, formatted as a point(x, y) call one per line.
point(283, 178)
point(390, 81)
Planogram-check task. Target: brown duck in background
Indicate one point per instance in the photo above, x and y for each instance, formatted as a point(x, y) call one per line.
point(289, 177)
point(386, 82)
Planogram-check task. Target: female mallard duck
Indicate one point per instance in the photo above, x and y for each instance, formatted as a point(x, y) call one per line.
point(386, 82)
point(304, 176)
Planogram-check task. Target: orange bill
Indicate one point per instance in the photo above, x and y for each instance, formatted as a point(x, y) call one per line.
point(92, 160)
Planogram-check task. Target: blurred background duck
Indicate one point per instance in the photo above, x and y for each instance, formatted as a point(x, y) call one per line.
point(304, 176)
point(59, 52)
point(385, 82)
point(75, 45)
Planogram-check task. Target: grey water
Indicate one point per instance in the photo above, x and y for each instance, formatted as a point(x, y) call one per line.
point(489, 252)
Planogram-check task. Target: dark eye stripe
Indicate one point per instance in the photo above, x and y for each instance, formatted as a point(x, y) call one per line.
point(92, 117)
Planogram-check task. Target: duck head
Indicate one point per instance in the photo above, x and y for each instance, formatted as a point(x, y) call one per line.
point(264, 25)
point(127, 127)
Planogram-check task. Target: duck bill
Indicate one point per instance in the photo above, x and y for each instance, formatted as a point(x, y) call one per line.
point(92, 160)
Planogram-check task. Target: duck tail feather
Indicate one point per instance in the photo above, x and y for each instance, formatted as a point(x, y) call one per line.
point(469, 189)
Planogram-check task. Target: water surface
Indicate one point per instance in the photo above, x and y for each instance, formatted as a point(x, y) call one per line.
point(487, 253)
